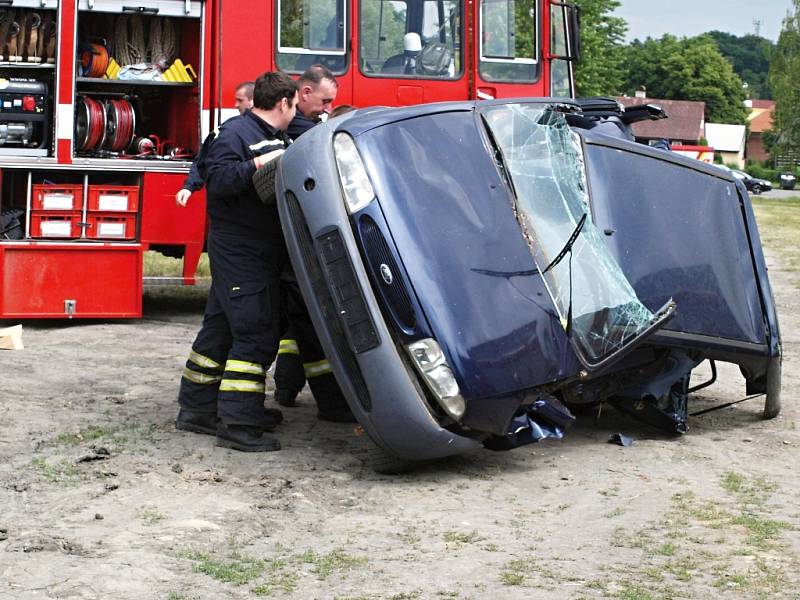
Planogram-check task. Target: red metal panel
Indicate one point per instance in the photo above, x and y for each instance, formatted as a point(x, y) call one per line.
point(66, 50)
point(163, 221)
point(244, 45)
point(103, 280)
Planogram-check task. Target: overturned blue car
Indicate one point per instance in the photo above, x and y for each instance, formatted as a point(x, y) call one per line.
point(475, 269)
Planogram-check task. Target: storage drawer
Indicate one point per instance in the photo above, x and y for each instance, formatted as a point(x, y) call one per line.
point(119, 198)
point(55, 225)
point(111, 226)
point(48, 196)
point(75, 279)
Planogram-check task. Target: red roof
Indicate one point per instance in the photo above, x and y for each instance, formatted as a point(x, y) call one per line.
point(770, 104)
point(762, 122)
point(684, 123)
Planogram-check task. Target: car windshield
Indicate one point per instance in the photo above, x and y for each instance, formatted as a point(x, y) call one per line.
point(543, 161)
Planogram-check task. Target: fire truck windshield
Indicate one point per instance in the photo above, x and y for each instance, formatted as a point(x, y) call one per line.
point(412, 38)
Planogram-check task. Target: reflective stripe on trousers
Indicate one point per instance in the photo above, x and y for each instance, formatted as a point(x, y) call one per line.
point(315, 369)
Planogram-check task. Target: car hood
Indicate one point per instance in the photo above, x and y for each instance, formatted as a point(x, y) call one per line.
point(450, 217)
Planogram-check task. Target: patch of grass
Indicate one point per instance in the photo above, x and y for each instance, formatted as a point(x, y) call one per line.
point(460, 538)
point(617, 512)
point(779, 228)
point(762, 532)
point(410, 537)
point(635, 592)
point(282, 582)
point(85, 435)
point(335, 560)
point(749, 491)
point(667, 549)
point(149, 515)
point(514, 571)
point(178, 596)
point(237, 568)
point(158, 265)
point(63, 471)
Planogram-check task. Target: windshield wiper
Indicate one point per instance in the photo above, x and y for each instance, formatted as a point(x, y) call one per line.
point(568, 246)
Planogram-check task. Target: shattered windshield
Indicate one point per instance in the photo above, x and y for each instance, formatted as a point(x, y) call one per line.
point(543, 160)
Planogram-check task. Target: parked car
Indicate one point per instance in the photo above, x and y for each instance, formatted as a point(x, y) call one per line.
point(752, 184)
point(474, 269)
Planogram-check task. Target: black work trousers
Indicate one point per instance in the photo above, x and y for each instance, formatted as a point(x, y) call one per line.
point(226, 370)
point(300, 356)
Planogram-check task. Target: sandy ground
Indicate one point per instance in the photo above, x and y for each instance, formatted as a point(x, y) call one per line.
point(103, 498)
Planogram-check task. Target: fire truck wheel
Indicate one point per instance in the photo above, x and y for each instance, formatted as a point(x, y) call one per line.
point(264, 181)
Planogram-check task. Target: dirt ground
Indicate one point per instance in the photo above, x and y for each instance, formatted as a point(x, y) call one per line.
point(103, 498)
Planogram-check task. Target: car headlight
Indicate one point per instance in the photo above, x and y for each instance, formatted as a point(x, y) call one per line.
point(353, 176)
point(429, 360)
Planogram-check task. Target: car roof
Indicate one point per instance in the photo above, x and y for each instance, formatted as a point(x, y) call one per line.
point(363, 120)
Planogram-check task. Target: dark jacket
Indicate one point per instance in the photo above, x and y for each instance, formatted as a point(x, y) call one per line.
point(196, 178)
point(233, 203)
point(299, 125)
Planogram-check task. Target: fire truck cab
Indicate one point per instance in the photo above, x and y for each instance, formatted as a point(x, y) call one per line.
point(103, 104)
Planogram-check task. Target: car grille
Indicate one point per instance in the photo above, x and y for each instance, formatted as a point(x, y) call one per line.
point(380, 258)
point(325, 300)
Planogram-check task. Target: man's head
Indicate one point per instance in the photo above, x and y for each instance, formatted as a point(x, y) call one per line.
point(275, 99)
point(317, 89)
point(243, 97)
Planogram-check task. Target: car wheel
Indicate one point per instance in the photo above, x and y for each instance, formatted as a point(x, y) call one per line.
point(264, 181)
point(756, 189)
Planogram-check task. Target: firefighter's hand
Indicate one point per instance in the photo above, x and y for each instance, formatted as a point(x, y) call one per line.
point(264, 159)
point(182, 197)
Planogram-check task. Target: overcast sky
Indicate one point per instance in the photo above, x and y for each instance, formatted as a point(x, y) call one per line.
point(654, 18)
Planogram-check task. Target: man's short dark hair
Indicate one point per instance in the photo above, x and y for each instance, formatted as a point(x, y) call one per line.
point(315, 74)
point(247, 88)
point(271, 87)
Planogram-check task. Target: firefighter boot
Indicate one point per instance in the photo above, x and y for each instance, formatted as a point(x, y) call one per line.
point(196, 422)
point(245, 438)
point(201, 422)
point(285, 398)
point(272, 418)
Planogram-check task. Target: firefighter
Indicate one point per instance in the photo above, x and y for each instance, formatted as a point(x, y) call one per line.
point(222, 390)
point(243, 100)
point(300, 356)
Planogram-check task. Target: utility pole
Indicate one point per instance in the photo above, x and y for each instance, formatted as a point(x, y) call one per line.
point(757, 26)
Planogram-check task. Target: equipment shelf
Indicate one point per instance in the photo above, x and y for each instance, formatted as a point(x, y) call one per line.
point(134, 82)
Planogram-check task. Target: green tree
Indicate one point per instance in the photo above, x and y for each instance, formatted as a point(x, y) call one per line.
point(687, 69)
point(784, 75)
point(600, 71)
point(750, 57)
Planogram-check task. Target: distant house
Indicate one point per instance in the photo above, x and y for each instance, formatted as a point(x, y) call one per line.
point(728, 141)
point(684, 124)
point(759, 121)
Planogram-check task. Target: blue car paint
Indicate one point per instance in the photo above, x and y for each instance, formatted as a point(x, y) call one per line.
point(470, 268)
point(678, 231)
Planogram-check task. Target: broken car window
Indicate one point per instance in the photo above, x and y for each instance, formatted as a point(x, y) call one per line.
point(544, 160)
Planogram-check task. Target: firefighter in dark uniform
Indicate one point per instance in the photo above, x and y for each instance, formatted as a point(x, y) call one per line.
point(223, 385)
point(300, 356)
point(195, 180)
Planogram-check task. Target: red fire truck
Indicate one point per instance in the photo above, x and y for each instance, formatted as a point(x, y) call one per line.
point(104, 102)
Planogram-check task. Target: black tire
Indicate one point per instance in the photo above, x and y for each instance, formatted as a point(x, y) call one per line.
point(757, 189)
point(264, 181)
